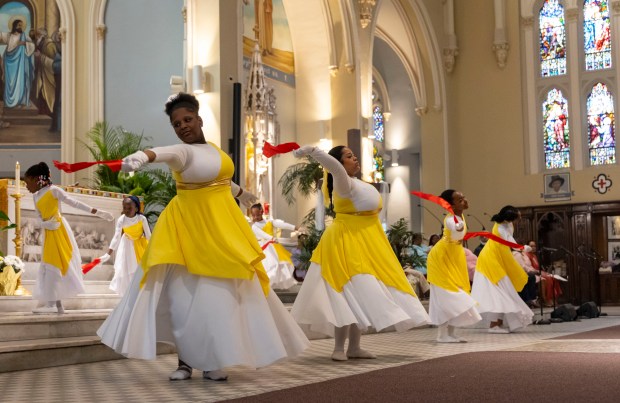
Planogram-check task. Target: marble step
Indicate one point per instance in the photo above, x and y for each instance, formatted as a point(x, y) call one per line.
point(42, 353)
point(29, 326)
point(80, 302)
point(90, 286)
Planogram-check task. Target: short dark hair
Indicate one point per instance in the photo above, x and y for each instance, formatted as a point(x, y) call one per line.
point(448, 195)
point(257, 205)
point(182, 100)
point(135, 201)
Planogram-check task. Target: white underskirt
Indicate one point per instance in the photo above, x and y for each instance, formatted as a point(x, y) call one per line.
point(280, 273)
point(51, 285)
point(125, 265)
point(457, 309)
point(214, 323)
point(364, 301)
point(501, 299)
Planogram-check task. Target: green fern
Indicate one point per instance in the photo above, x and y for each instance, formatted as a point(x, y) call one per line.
point(111, 143)
point(302, 177)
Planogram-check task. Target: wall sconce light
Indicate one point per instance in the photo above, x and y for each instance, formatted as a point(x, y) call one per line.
point(387, 116)
point(177, 84)
point(199, 80)
point(325, 144)
point(394, 157)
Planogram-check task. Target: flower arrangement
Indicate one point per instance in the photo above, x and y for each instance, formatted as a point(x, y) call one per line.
point(13, 262)
point(11, 270)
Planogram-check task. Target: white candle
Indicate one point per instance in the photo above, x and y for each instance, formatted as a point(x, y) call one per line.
point(18, 181)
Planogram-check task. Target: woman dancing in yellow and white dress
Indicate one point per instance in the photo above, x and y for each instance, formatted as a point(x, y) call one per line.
point(499, 278)
point(204, 289)
point(450, 304)
point(131, 237)
point(355, 280)
point(60, 273)
point(278, 264)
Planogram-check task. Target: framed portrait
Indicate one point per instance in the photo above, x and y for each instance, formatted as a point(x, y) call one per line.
point(613, 251)
point(556, 187)
point(613, 227)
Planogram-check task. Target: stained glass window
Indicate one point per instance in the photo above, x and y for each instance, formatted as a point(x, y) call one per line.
point(596, 34)
point(377, 117)
point(555, 126)
point(378, 170)
point(552, 39)
point(601, 126)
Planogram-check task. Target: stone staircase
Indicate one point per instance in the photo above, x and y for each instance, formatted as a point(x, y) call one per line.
point(29, 341)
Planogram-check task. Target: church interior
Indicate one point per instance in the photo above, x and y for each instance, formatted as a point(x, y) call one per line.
point(405, 84)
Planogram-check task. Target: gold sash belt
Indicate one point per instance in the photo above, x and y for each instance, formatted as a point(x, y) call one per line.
point(202, 185)
point(362, 213)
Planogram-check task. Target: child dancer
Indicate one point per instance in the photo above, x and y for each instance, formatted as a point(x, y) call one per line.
point(60, 274)
point(450, 304)
point(277, 262)
point(131, 237)
point(499, 277)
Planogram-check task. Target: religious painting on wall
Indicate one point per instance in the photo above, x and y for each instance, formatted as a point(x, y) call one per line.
point(613, 227)
point(265, 24)
point(30, 88)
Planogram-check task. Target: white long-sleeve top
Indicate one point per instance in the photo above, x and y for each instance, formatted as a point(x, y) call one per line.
point(506, 231)
point(258, 226)
point(363, 195)
point(62, 197)
point(124, 221)
point(450, 225)
point(195, 163)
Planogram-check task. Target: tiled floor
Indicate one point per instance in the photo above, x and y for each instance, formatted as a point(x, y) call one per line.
point(147, 381)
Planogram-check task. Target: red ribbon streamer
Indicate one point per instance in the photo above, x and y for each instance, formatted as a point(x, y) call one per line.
point(89, 266)
point(114, 165)
point(267, 244)
point(271, 150)
point(494, 237)
point(437, 200)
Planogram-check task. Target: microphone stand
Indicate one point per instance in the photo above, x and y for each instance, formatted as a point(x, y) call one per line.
point(479, 222)
point(542, 320)
point(434, 216)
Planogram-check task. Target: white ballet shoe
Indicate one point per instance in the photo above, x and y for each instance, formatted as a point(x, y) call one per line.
point(45, 309)
point(498, 330)
point(181, 374)
point(217, 375)
point(359, 353)
point(447, 339)
point(339, 356)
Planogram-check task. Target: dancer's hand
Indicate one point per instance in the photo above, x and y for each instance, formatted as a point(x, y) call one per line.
point(51, 224)
point(104, 258)
point(247, 199)
point(134, 161)
point(303, 151)
point(105, 215)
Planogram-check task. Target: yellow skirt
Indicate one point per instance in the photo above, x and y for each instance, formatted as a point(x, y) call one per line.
point(357, 245)
point(447, 267)
point(205, 231)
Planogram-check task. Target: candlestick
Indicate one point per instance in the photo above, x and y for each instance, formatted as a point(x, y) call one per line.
point(18, 181)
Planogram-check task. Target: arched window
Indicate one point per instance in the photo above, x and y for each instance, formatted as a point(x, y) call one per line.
point(596, 35)
point(552, 39)
point(378, 129)
point(570, 70)
point(601, 126)
point(556, 134)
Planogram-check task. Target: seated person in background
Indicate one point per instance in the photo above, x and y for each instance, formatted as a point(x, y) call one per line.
point(483, 242)
point(419, 250)
point(471, 263)
point(529, 293)
point(418, 281)
point(433, 240)
point(549, 283)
